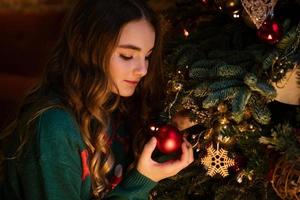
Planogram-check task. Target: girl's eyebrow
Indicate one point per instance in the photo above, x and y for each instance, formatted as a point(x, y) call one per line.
point(129, 46)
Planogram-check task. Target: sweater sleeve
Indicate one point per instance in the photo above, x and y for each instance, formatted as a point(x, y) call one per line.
point(55, 172)
point(134, 186)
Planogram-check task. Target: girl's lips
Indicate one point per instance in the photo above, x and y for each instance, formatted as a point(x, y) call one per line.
point(131, 82)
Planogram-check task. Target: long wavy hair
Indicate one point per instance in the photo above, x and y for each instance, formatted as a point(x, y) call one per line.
point(77, 73)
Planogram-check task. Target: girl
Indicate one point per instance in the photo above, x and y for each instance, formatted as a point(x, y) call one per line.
point(75, 134)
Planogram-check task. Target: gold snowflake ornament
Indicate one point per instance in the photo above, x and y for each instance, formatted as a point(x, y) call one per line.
point(217, 161)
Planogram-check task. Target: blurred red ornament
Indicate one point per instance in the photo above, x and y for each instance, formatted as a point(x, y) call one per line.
point(240, 163)
point(270, 31)
point(270, 173)
point(205, 2)
point(169, 139)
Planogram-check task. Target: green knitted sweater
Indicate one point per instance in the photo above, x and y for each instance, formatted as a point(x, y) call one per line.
point(54, 165)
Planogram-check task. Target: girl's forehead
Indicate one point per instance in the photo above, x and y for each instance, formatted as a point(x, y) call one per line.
point(139, 33)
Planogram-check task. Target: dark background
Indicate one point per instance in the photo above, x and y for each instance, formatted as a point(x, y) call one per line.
point(27, 34)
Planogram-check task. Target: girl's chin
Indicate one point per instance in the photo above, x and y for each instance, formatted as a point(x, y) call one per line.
point(124, 93)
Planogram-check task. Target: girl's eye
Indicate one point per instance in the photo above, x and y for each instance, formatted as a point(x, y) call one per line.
point(126, 57)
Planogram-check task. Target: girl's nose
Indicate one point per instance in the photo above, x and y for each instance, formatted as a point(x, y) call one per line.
point(141, 68)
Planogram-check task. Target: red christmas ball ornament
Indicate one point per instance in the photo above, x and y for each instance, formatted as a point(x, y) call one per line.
point(240, 163)
point(270, 31)
point(169, 139)
point(205, 2)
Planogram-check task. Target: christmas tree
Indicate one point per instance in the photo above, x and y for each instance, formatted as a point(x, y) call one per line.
point(227, 61)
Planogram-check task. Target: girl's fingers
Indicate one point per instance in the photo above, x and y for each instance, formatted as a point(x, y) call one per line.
point(191, 158)
point(149, 148)
point(191, 153)
point(187, 156)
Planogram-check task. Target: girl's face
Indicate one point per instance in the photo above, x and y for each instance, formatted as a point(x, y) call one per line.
point(130, 59)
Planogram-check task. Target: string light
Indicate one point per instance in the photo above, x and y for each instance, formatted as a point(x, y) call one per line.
point(236, 15)
point(186, 33)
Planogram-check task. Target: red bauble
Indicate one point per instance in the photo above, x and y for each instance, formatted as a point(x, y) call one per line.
point(169, 139)
point(270, 31)
point(205, 2)
point(240, 163)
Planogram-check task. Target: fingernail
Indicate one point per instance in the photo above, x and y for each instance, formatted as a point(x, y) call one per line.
point(153, 139)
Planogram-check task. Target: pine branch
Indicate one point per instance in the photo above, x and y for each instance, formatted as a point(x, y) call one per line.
point(239, 103)
point(221, 95)
point(283, 140)
point(227, 71)
point(222, 84)
point(259, 110)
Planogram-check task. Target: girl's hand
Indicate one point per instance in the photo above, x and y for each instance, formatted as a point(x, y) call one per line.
point(158, 171)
